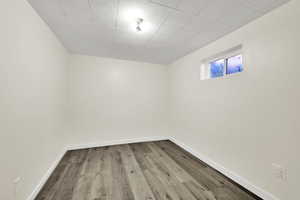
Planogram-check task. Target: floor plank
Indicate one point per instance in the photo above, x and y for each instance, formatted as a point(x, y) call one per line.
point(142, 171)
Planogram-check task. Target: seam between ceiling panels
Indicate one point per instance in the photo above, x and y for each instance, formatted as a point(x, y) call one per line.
point(166, 18)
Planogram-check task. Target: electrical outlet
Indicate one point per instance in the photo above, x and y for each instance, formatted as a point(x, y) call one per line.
point(280, 173)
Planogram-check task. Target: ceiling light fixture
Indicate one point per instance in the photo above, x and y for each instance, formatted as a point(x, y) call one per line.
point(136, 20)
point(138, 24)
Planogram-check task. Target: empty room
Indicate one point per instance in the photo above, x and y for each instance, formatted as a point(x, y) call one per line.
point(149, 99)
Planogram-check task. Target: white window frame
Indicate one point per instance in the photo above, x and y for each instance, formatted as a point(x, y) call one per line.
point(205, 67)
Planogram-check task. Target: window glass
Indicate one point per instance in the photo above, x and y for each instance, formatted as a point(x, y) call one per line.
point(217, 68)
point(234, 64)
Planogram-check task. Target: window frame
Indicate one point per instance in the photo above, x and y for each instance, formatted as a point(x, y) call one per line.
point(225, 55)
point(226, 64)
point(224, 70)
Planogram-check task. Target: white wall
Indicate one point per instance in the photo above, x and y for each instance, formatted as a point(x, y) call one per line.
point(116, 99)
point(32, 97)
point(247, 121)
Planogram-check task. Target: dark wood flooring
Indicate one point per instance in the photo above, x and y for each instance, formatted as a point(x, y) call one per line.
point(142, 171)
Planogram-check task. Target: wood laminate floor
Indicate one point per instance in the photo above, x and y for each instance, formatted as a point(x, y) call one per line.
point(142, 171)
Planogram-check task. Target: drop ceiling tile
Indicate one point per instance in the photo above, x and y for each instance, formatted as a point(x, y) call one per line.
point(166, 3)
point(214, 16)
point(130, 10)
point(193, 7)
point(104, 12)
point(178, 18)
point(200, 24)
point(207, 18)
point(78, 11)
point(130, 38)
point(100, 27)
point(242, 17)
point(173, 39)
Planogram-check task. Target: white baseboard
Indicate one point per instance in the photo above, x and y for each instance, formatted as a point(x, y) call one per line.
point(233, 176)
point(44, 179)
point(115, 142)
point(238, 179)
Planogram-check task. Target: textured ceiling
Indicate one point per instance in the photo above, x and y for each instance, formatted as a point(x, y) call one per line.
point(175, 27)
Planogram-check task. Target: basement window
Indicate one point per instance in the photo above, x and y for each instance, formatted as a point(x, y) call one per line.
point(217, 68)
point(234, 64)
point(223, 64)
